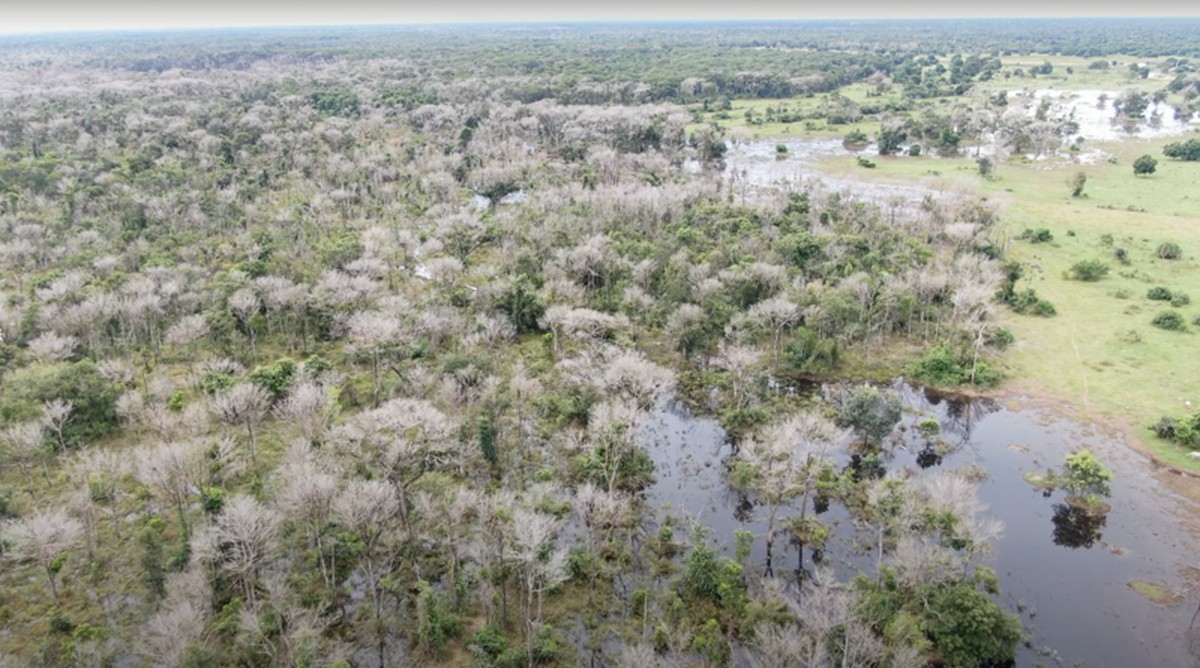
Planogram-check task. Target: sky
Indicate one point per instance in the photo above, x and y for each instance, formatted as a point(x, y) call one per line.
point(24, 16)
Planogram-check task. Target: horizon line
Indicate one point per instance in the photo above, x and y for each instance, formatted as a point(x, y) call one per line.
point(580, 21)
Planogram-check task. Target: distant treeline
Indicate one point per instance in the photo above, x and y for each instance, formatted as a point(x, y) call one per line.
point(632, 63)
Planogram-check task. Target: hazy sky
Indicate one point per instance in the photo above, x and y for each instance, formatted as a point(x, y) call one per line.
point(51, 15)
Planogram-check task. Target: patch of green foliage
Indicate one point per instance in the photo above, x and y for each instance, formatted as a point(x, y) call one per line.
point(1089, 270)
point(1170, 321)
point(942, 367)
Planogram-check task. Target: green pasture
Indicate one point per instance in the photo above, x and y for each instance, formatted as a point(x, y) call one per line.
point(1100, 352)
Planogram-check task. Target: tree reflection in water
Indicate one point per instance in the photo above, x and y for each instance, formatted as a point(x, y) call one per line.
point(1076, 527)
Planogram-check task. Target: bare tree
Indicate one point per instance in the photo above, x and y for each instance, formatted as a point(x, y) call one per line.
point(613, 430)
point(56, 413)
point(785, 460)
point(403, 439)
point(774, 316)
point(740, 362)
point(245, 305)
point(173, 470)
point(630, 377)
point(45, 537)
point(50, 347)
point(542, 566)
point(180, 620)
point(310, 406)
point(24, 444)
point(287, 631)
point(245, 404)
point(188, 330)
point(375, 333)
point(306, 493)
point(240, 541)
point(367, 508)
point(602, 513)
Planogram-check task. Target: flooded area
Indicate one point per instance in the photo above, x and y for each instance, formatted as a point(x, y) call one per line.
point(1097, 118)
point(1067, 580)
point(1080, 119)
point(752, 167)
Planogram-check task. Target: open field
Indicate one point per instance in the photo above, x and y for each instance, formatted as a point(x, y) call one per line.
point(1100, 352)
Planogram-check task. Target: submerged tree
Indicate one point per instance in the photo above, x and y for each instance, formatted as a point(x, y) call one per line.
point(783, 461)
point(870, 413)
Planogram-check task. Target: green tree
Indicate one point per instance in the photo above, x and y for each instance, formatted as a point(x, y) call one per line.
point(970, 629)
point(93, 398)
point(1077, 183)
point(1188, 151)
point(870, 413)
point(1085, 475)
point(1144, 165)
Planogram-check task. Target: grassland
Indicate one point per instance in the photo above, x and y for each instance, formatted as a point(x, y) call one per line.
point(1100, 354)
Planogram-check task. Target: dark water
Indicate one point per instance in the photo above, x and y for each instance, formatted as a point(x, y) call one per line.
point(1069, 583)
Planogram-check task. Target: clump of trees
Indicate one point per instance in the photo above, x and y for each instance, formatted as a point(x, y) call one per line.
point(1188, 151)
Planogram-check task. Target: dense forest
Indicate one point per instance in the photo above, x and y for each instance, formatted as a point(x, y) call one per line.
point(338, 347)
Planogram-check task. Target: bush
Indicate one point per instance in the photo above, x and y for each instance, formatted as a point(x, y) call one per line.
point(1169, 250)
point(1002, 338)
point(1038, 236)
point(1144, 165)
point(1089, 270)
point(1180, 299)
point(94, 415)
point(490, 640)
point(1044, 309)
point(1188, 150)
point(1169, 320)
point(1158, 294)
point(1185, 432)
point(1028, 302)
point(941, 367)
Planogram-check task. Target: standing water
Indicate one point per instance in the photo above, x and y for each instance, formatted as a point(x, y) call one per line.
point(1070, 585)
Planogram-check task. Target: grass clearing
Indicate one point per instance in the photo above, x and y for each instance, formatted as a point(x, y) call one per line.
point(1100, 352)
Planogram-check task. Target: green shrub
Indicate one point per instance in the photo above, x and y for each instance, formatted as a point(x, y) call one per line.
point(1002, 338)
point(1159, 294)
point(94, 415)
point(275, 378)
point(1089, 270)
point(1170, 321)
point(490, 640)
point(1144, 165)
point(1044, 309)
point(1028, 302)
point(942, 367)
point(1038, 236)
point(1188, 150)
point(1180, 299)
point(1169, 250)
